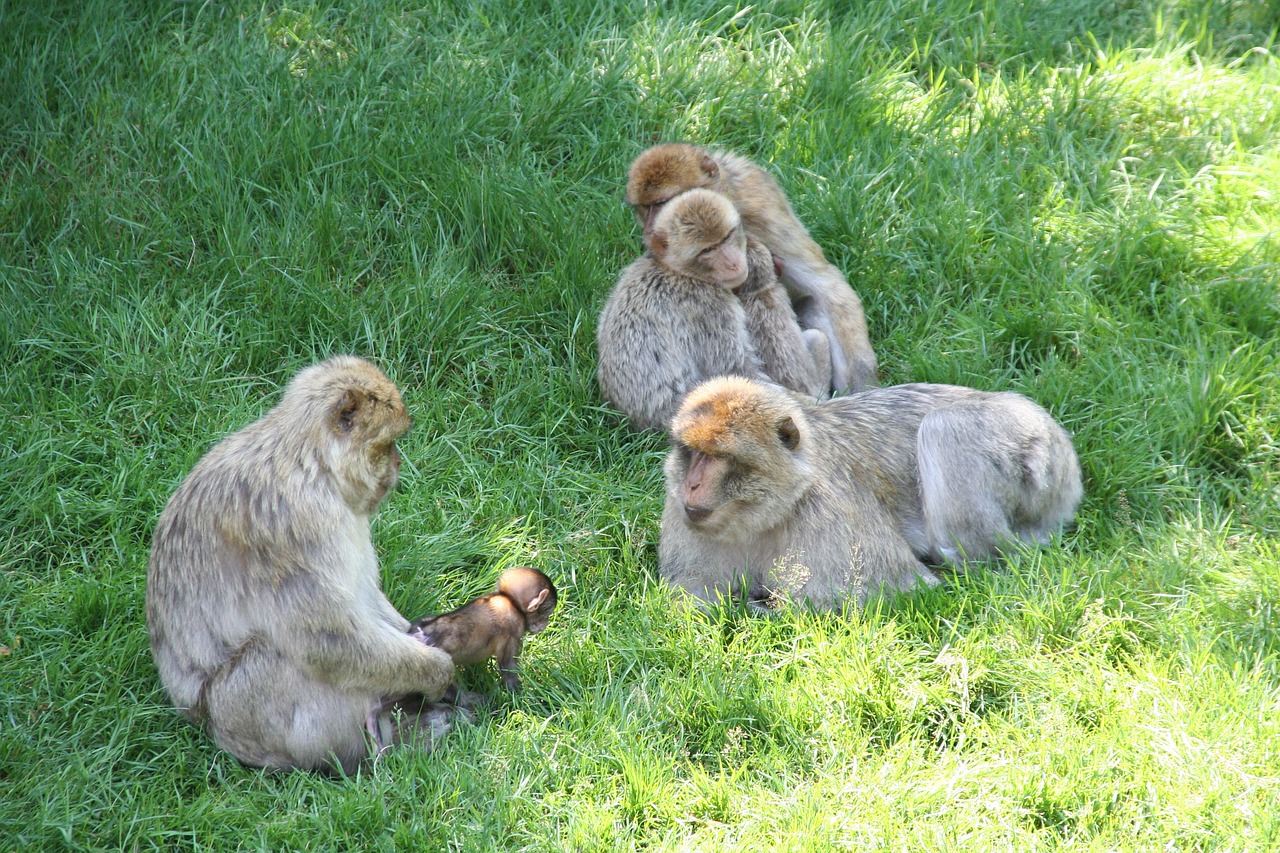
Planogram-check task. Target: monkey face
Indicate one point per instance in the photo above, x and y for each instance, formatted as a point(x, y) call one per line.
point(363, 415)
point(661, 173)
point(699, 234)
point(700, 489)
point(536, 622)
point(727, 262)
point(738, 463)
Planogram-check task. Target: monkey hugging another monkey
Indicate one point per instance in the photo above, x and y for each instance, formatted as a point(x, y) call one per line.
point(703, 301)
point(823, 301)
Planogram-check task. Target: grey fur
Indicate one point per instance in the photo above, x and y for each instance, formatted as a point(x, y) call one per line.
point(879, 486)
point(660, 333)
point(264, 603)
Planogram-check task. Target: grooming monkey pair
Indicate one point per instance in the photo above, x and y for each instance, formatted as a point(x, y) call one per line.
point(769, 490)
point(264, 605)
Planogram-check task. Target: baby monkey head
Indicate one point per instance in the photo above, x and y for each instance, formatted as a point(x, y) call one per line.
point(699, 234)
point(532, 592)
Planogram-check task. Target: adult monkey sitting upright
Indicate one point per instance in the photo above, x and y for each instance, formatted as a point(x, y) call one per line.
point(821, 297)
point(264, 605)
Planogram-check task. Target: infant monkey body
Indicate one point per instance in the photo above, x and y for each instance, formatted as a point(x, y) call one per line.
point(493, 625)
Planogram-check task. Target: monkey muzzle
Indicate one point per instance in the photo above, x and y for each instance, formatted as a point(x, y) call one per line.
point(696, 514)
point(700, 481)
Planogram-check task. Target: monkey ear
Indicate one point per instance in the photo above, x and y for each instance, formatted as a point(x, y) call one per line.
point(536, 601)
point(658, 242)
point(710, 167)
point(789, 433)
point(346, 412)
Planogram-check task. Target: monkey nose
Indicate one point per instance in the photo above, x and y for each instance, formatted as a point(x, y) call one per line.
point(696, 513)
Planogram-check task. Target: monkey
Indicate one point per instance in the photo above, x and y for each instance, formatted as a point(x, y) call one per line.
point(494, 625)
point(264, 607)
point(679, 315)
point(822, 298)
point(769, 495)
point(491, 626)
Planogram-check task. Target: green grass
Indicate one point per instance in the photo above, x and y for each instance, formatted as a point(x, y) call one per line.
point(1079, 200)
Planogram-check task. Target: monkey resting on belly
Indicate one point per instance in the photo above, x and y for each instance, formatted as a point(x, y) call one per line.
point(769, 493)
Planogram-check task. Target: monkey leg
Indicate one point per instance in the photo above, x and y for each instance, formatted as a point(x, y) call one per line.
point(416, 722)
point(819, 346)
point(995, 471)
point(971, 480)
point(268, 712)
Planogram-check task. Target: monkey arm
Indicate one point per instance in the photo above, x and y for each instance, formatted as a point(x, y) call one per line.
point(381, 660)
point(823, 300)
point(787, 355)
point(390, 614)
point(506, 654)
point(351, 635)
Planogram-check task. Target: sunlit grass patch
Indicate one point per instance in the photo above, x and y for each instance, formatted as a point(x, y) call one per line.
point(713, 76)
point(307, 37)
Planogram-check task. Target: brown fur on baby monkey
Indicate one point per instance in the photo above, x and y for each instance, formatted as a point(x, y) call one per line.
point(494, 625)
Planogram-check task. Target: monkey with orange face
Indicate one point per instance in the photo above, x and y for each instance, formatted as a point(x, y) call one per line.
point(822, 299)
point(703, 301)
point(768, 494)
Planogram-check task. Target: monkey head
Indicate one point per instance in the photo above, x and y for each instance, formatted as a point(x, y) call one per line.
point(355, 415)
point(699, 234)
point(740, 457)
point(532, 592)
point(664, 171)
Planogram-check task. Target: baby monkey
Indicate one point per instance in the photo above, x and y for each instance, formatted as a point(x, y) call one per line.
point(494, 625)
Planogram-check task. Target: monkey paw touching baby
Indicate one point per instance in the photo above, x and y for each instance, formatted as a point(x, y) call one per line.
point(493, 625)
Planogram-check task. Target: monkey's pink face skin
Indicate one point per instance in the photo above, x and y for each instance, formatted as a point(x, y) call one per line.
point(699, 492)
point(729, 264)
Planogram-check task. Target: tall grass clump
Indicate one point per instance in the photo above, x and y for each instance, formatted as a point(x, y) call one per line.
point(1076, 200)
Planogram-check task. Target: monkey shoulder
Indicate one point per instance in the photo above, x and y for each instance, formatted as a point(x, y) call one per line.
point(741, 172)
point(648, 282)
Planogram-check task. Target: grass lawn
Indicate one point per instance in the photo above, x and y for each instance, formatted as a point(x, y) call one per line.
point(1077, 199)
